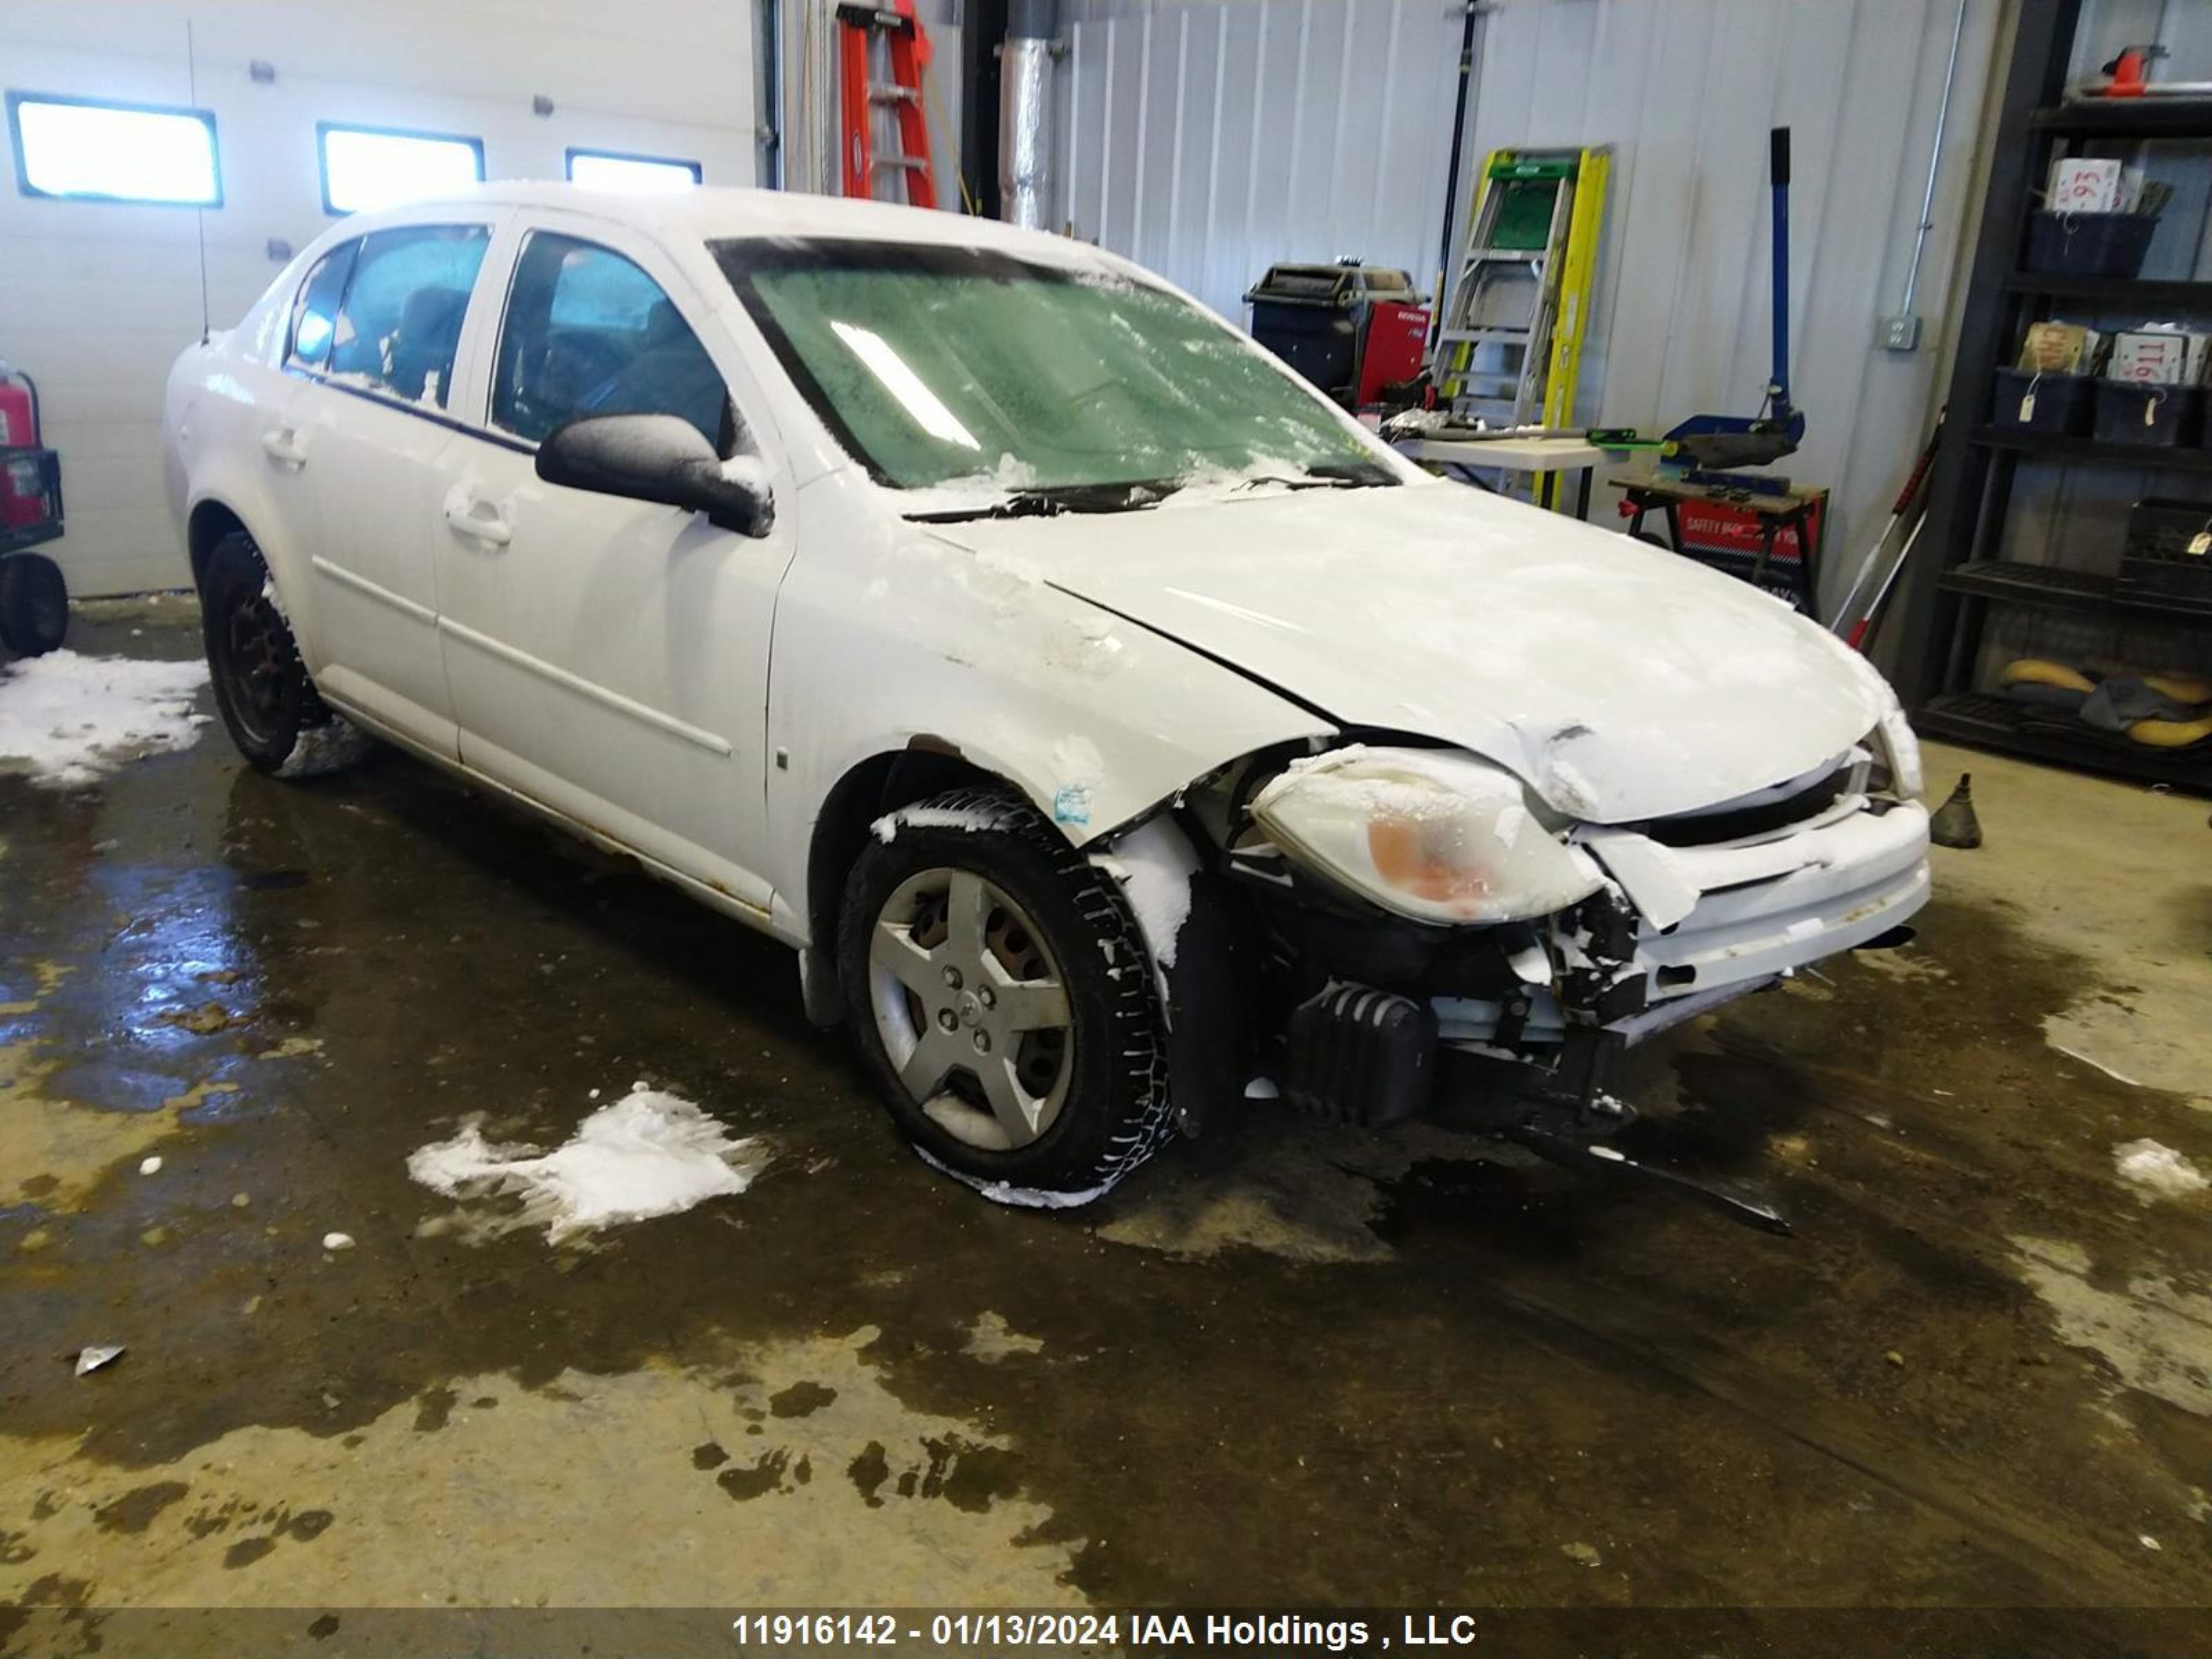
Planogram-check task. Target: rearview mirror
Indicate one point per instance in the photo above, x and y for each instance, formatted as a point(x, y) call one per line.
point(657, 457)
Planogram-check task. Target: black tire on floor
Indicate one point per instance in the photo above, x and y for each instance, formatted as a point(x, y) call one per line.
point(267, 702)
point(1115, 1111)
point(34, 605)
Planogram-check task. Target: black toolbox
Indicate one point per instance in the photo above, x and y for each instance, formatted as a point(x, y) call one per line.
point(2089, 244)
point(2168, 558)
point(2148, 413)
point(2032, 400)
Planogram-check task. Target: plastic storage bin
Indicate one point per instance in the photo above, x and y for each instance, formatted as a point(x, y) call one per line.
point(2156, 565)
point(2062, 403)
point(2089, 244)
point(2146, 413)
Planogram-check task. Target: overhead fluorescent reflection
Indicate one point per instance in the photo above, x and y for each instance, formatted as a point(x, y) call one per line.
point(928, 410)
point(126, 153)
point(364, 169)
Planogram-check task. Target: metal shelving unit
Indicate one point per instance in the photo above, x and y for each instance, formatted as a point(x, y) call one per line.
point(1948, 600)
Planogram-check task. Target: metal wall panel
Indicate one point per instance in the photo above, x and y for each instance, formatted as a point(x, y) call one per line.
point(1316, 128)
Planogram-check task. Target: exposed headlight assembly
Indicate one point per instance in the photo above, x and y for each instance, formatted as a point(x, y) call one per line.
point(1430, 834)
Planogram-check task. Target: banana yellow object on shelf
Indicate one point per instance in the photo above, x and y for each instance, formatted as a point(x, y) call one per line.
point(2170, 734)
point(2034, 671)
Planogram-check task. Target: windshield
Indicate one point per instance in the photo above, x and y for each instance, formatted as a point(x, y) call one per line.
point(939, 366)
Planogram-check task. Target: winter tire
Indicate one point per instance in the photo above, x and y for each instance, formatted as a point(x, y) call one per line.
point(268, 703)
point(1003, 999)
point(34, 605)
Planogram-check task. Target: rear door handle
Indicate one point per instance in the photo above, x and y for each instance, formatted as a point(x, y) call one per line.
point(478, 519)
point(283, 445)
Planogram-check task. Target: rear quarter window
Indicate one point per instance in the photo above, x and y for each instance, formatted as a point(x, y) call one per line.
point(399, 326)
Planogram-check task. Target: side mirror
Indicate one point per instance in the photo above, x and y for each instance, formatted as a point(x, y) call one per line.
point(657, 457)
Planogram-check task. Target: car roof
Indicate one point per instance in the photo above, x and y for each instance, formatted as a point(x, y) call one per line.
point(715, 213)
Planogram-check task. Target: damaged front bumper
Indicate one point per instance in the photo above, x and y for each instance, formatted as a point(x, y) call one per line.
point(1685, 929)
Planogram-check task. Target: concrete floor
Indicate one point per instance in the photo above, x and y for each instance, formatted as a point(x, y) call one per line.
point(1286, 1365)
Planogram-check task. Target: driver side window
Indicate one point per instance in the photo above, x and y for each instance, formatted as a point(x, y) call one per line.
point(587, 333)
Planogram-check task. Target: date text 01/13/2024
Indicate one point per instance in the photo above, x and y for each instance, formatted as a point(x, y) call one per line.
point(959, 1631)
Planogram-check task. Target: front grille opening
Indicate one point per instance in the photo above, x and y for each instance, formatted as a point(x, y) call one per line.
point(1706, 828)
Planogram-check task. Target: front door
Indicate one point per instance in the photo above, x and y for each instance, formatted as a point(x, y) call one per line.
point(609, 658)
point(381, 445)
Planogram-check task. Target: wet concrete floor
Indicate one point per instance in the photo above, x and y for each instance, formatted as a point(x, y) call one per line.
point(1284, 1365)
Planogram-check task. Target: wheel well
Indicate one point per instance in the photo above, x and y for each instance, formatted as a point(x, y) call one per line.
point(210, 522)
point(881, 784)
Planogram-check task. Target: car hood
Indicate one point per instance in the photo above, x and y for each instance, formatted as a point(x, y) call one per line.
point(1620, 681)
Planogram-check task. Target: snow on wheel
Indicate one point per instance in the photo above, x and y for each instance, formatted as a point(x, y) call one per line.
point(268, 703)
point(1004, 1001)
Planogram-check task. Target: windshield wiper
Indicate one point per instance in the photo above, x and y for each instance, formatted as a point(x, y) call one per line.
point(1047, 502)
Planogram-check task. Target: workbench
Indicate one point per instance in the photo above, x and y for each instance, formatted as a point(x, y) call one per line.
point(1770, 541)
point(1542, 458)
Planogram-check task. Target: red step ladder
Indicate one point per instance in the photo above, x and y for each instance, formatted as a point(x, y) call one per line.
point(860, 26)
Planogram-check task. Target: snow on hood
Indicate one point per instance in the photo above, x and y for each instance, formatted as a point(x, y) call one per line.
point(1620, 681)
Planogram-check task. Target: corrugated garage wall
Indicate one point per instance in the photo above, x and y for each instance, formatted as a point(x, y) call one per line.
point(96, 300)
point(1337, 142)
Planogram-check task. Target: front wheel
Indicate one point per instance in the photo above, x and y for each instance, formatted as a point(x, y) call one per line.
point(268, 703)
point(1003, 999)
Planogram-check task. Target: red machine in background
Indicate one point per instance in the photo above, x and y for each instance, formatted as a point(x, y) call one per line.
point(34, 598)
point(1351, 329)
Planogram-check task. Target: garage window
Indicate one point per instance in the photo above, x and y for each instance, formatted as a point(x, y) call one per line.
point(399, 324)
point(589, 333)
point(368, 168)
point(606, 169)
point(92, 150)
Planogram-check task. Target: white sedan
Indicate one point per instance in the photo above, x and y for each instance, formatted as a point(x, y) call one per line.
point(1115, 728)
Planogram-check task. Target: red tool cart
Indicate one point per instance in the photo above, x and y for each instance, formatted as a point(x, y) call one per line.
point(34, 598)
point(1351, 329)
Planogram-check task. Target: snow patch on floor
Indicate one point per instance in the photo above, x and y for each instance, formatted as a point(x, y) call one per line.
point(2159, 1171)
point(651, 1153)
point(68, 718)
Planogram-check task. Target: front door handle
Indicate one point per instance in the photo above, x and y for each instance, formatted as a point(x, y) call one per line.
point(284, 447)
point(478, 519)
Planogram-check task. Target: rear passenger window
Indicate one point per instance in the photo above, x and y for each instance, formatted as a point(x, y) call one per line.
point(399, 326)
point(588, 333)
point(315, 314)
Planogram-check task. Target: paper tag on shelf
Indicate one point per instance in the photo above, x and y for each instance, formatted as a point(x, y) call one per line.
point(2200, 543)
point(2150, 409)
point(2026, 407)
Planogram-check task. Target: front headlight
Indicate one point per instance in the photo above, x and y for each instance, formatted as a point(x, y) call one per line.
point(1430, 834)
point(1902, 745)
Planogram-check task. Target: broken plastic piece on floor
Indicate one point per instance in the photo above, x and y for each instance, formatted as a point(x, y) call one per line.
point(149, 1166)
point(338, 1241)
point(91, 1360)
point(1956, 824)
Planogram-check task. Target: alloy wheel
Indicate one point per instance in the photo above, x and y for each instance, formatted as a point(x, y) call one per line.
point(972, 1009)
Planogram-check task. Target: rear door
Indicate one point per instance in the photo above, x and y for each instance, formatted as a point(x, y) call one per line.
point(609, 658)
point(379, 444)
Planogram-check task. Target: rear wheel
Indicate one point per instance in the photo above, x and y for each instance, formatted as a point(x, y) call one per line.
point(1003, 997)
point(34, 605)
point(268, 703)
